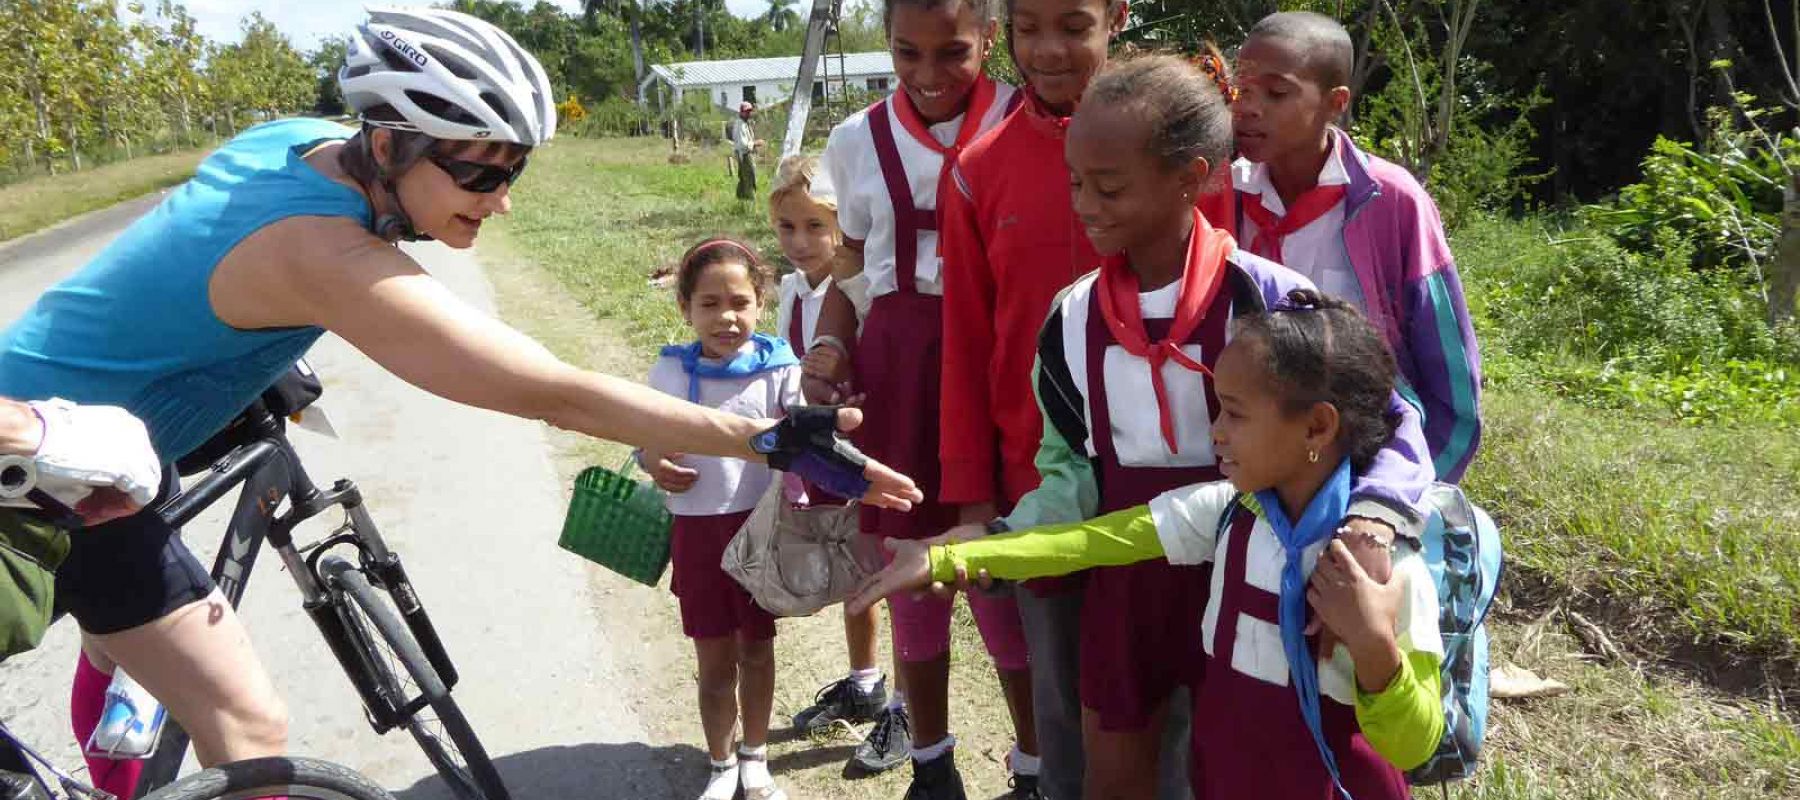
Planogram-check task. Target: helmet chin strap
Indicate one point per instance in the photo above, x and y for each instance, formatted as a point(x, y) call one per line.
point(396, 225)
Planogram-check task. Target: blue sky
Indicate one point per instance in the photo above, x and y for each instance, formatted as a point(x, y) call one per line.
point(308, 21)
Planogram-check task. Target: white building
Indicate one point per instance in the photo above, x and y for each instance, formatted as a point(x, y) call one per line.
point(766, 80)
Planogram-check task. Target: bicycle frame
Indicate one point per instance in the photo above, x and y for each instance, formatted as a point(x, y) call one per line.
point(270, 471)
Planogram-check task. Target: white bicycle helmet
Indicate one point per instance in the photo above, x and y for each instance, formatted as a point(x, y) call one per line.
point(449, 76)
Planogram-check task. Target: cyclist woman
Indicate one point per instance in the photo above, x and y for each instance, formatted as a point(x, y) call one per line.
point(283, 234)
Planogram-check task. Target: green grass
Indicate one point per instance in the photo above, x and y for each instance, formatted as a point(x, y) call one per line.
point(37, 203)
point(1680, 533)
point(1683, 527)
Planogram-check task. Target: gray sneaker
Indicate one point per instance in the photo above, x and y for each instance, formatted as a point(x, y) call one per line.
point(889, 743)
point(843, 700)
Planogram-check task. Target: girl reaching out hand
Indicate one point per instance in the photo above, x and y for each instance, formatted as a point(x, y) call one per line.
point(1304, 393)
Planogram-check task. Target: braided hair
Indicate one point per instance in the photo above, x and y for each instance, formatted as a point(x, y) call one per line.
point(1320, 349)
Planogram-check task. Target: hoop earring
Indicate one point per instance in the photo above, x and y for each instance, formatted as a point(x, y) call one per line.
point(1312, 456)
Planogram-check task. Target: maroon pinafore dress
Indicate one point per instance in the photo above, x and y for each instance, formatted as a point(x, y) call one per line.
point(1140, 624)
point(1249, 737)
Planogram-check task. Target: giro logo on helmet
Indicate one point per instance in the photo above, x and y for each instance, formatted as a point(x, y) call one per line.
point(405, 48)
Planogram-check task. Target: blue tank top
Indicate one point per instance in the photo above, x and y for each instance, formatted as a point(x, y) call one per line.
point(135, 326)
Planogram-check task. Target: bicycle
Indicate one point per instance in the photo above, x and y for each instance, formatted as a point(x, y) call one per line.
point(299, 778)
point(364, 606)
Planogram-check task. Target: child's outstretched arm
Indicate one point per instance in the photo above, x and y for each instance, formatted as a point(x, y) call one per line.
point(1124, 537)
point(1399, 703)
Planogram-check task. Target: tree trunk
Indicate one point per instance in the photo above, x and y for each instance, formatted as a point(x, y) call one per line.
point(1721, 46)
point(1364, 61)
point(1784, 271)
point(74, 146)
point(637, 54)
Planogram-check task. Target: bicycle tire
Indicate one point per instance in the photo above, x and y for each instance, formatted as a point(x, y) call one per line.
point(461, 761)
point(299, 778)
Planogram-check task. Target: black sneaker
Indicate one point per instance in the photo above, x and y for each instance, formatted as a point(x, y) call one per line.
point(843, 700)
point(936, 779)
point(1024, 787)
point(888, 744)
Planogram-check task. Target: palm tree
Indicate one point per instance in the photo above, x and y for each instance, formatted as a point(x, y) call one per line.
point(782, 15)
point(632, 11)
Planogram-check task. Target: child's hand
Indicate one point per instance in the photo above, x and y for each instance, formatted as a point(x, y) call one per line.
point(1360, 612)
point(668, 473)
point(825, 362)
point(1372, 543)
point(966, 532)
point(910, 569)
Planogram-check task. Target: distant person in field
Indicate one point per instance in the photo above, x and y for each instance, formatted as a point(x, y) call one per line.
point(743, 148)
point(1360, 227)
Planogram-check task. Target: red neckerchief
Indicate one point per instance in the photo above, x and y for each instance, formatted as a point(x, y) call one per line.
point(1309, 206)
point(981, 98)
point(1201, 278)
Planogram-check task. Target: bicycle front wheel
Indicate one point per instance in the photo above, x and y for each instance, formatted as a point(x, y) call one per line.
point(404, 673)
point(298, 778)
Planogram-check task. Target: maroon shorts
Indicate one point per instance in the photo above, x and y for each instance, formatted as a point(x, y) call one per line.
point(712, 603)
point(899, 358)
point(1140, 638)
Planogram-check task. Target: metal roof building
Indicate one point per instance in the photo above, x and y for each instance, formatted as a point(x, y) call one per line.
point(766, 80)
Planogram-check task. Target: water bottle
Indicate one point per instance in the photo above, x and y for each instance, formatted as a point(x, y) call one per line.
point(131, 722)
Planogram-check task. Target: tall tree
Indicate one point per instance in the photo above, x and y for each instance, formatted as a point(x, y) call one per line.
point(782, 15)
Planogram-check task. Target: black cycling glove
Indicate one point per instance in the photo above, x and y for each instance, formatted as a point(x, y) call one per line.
point(807, 444)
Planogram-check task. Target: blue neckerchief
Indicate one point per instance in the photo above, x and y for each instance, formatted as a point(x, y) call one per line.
point(1317, 524)
point(768, 353)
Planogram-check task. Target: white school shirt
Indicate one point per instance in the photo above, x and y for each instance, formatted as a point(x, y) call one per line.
point(866, 213)
point(1188, 524)
point(1130, 395)
point(1316, 250)
point(727, 485)
point(812, 298)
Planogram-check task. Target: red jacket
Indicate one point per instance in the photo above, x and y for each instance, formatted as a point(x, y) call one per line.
point(1010, 243)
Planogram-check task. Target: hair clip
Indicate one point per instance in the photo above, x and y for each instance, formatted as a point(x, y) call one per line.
point(1214, 67)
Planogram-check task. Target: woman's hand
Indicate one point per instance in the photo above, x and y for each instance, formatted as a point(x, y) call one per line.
point(910, 569)
point(1358, 611)
point(668, 473)
point(806, 444)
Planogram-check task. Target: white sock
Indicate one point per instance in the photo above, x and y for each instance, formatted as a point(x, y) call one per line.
point(753, 767)
point(897, 701)
point(865, 679)
point(928, 754)
point(723, 784)
point(1022, 764)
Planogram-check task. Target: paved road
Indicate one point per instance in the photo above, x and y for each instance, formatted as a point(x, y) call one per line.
point(472, 503)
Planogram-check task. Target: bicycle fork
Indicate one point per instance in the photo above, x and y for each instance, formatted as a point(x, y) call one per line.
point(385, 570)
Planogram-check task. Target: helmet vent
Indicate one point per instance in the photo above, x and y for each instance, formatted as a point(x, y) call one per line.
point(441, 108)
point(396, 61)
point(493, 101)
point(456, 65)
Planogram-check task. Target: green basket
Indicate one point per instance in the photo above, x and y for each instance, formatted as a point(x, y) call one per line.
point(618, 523)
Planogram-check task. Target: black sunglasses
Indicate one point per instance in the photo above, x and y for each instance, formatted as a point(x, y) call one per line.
point(480, 178)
